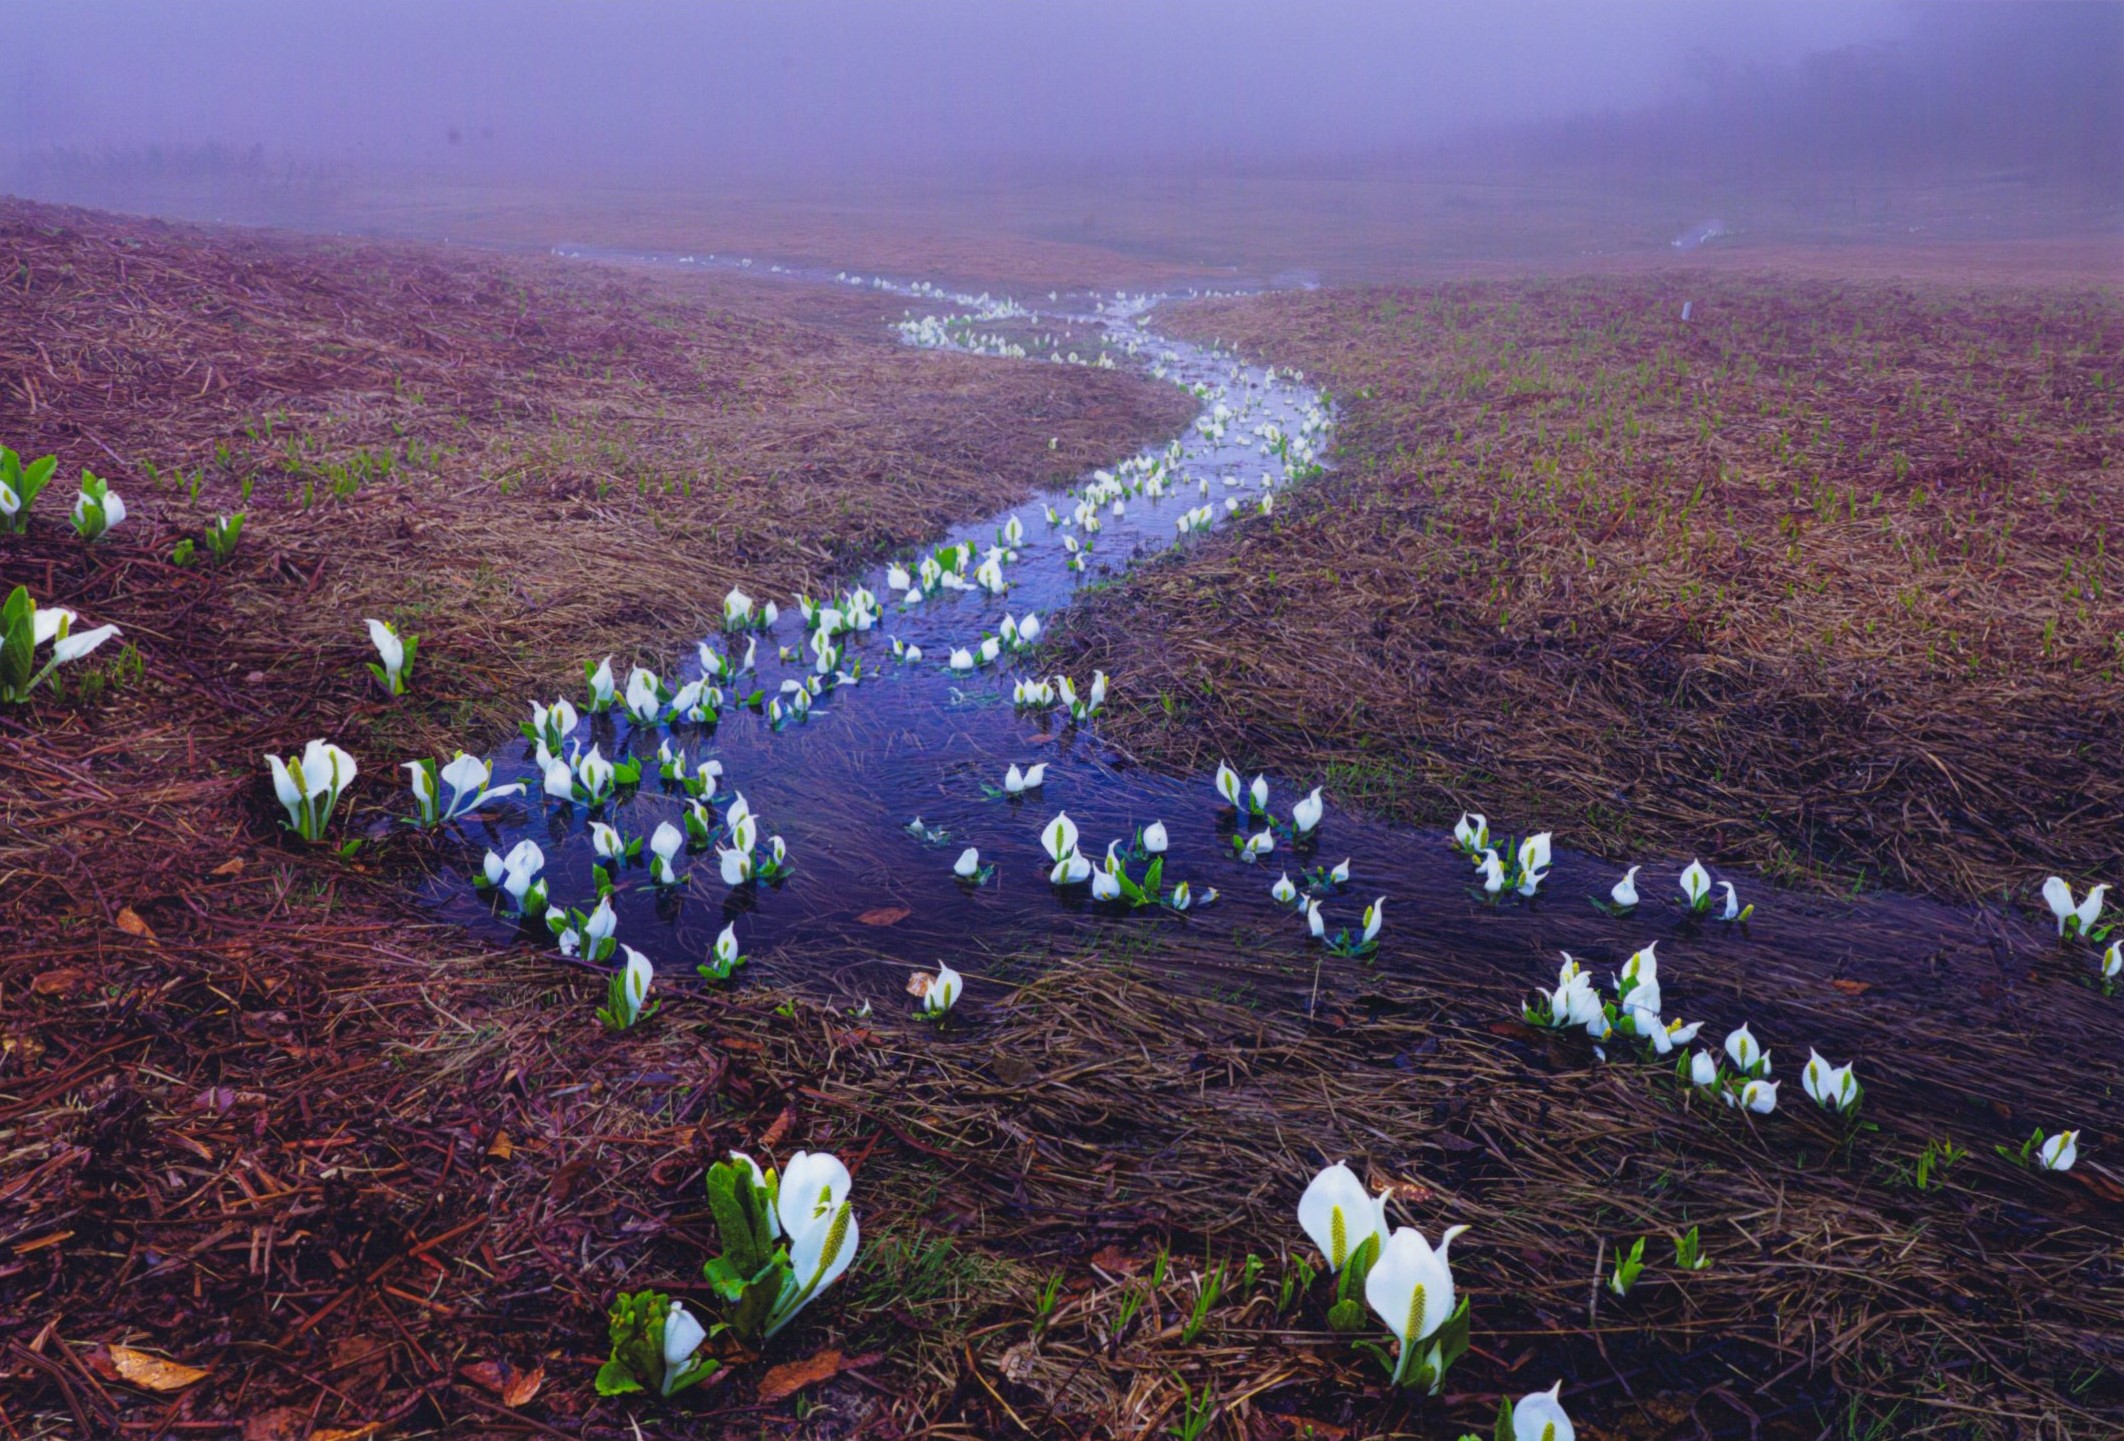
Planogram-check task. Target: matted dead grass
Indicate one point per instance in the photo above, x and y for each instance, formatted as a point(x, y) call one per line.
point(245, 1092)
point(1820, 581)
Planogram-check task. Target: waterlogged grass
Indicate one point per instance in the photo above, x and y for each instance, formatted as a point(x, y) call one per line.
point(1821, 580)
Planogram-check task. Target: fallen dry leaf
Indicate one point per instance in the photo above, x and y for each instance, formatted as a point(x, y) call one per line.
point(919, 983)
point(1852, 988)
point(777, 1128)
point(233, 867)
point(502, 1148)
point(511, 1382)
point(282, 1423)
point(793, 1376)
point(885, 916)
point(129, 921)
point(152, 1372)
point(63, 982)
point(1111, 1259)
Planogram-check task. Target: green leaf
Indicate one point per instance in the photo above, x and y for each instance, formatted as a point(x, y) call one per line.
point(1346, 1315)
point(614, 1379)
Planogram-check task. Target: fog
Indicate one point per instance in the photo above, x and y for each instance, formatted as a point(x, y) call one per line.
point(113, 103)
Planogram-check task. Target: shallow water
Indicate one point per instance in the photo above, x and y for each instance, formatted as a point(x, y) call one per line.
point(918, 740)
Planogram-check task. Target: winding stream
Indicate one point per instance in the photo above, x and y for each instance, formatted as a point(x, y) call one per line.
point(917, 739)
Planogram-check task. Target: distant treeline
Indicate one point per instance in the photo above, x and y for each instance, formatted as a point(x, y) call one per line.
point(2031, 91)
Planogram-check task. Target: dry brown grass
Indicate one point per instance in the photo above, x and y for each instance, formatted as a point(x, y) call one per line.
point(1821, 581)
point(244, 1084)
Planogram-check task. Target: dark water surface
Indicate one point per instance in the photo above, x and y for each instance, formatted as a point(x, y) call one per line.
point(918, 740)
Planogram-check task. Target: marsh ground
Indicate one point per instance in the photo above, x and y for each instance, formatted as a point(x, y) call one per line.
point(265, 1116)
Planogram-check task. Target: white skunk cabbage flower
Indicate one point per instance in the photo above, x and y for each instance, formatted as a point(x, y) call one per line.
point(1638, 982)
point(559, 780)
point(1757, 1096)
point(598, 678)
point(736, 865)
point(1017, 782)
point(632, 992)
point(1539, 1416)
point(550, 725)
point(1255, 846)
point(968, 865)
point(962, 659)
point(395, 653)
point(938, 993)
point(1493, 874)
point(1340, 1215)
point(2081, 917)
point(1832, 1087)
point(737, 609)
point(1059, 836)
point(97, 508)
point(1749, 1058)
point(2113, 960)
point(1374, 918)
point(820, 1222)
point(467, 777)
point(514, 873)
point(2059, 1152)
point(1155, 839)
point(1624, 895)
point(1314, 921)
point(682, 1337)
point(1105, 885)
point(1229, 785)
point(1702, 1069)
point(1472, 832)
point(1410, 1287)
point(645, 695)
point(1696, 886)
point(606, 841)
point(1283, 891)
point(24, 626)
point(664, 843)
point(1305, 815)
point(310, 789)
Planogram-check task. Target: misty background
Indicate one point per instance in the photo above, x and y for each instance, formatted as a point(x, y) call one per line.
point(1081, 119)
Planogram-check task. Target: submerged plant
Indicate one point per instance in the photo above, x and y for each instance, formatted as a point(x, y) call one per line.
point(938, 993)
point(724, 957)
point(467, 776)
point(2075, 919)
point(24, 626)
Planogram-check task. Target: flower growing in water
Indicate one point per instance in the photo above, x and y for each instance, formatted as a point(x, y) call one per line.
point(24, 626)
point(516, 876)
point(597, 679)
point(724, 957)
point(1471, 834)
point(938, 993)
point(664, 844)
point(2077, 919)
point(1696, 887)
point(311, 787)
point(1306, 814)
point(1831, 1087)
point(467, 776)
point(548, 727)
